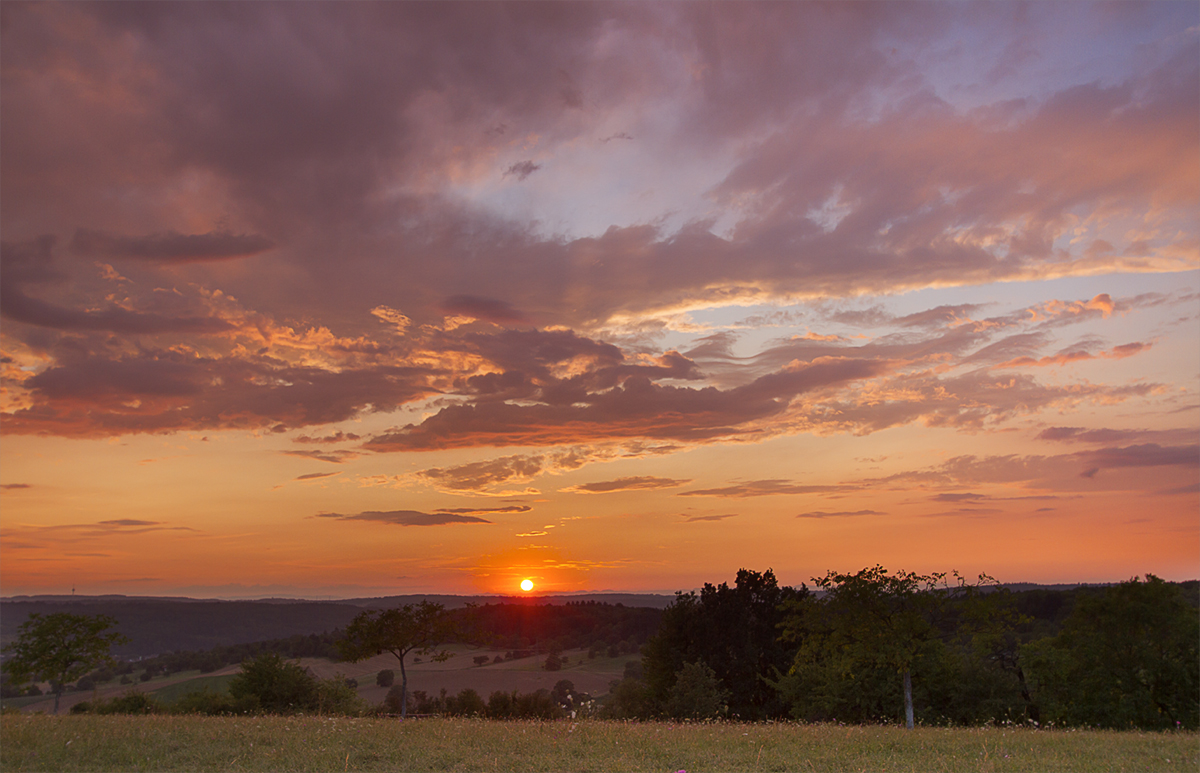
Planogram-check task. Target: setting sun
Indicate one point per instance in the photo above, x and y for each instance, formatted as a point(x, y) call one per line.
point(526, 585)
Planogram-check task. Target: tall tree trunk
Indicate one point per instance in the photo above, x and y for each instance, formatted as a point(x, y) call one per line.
point(908, 707)
point(1030, 706)
point(403, 691)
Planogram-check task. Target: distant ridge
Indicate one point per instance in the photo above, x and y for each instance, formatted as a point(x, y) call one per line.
point(653, 600)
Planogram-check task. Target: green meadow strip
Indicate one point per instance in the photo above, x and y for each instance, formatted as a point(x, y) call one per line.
point(313, 743)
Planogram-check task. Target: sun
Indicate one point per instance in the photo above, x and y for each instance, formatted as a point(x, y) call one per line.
point(526, 585)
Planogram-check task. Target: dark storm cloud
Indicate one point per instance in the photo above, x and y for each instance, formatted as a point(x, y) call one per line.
point(405, 518)
point(169, 247)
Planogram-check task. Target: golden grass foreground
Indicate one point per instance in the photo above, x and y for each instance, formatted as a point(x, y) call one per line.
point(167, 743)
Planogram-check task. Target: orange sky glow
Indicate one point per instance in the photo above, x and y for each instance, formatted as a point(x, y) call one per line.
point(334, 300)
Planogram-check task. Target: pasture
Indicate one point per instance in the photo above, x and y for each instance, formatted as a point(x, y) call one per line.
point(523, 675)
point(34, 742)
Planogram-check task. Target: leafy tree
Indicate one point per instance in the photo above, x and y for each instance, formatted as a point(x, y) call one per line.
point(1129, 656)
point(735, 632)
point(869, 628)
point(418, 628)
point(60, 648)
point(385, 678)
point(279, 686)
point(629, 699)
point(696, 694)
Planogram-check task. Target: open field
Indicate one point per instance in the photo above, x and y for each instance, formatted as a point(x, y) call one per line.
point(459, 672)
point(168, 743)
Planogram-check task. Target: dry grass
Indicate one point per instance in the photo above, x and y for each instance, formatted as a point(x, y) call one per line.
point(168, 743)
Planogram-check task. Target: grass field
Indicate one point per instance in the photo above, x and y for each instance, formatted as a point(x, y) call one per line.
point(170, 743)
point(525, 675)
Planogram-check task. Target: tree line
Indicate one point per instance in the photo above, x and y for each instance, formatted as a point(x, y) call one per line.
point(864, 647)
point(875, 646)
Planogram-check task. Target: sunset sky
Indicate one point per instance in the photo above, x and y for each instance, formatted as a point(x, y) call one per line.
point(355, 299)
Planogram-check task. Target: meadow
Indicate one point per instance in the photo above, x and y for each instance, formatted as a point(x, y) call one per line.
point(37, 742)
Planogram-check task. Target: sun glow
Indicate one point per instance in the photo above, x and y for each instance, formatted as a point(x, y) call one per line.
point(526, 585)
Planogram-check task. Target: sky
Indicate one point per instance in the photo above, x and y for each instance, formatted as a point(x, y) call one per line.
point(359, 299)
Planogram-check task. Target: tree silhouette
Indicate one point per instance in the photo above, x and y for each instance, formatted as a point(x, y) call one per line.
point(419, 628)
point(60, 648)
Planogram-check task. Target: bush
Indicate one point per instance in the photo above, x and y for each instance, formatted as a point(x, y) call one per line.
point(466, 704)
point(385, 678)
point(501, 705)
point(132, 702)
point(213, 704)
point(337, 696)
point(281, 687)
point(537, 705)
point(394, 698)
point(696, 694)
point(629, 699)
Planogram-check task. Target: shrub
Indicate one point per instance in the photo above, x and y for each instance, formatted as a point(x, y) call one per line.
point(501, 705)
point(281, 687)
point(466, 704)
point(394, 698)
point(385, 678)
point(629, 699)
point(132, 702)
point(211, 703)
point(696, 694)
point(336, 696)
point(537, 705)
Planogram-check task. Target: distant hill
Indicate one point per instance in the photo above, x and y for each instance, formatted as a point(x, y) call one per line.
point(159, 625)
